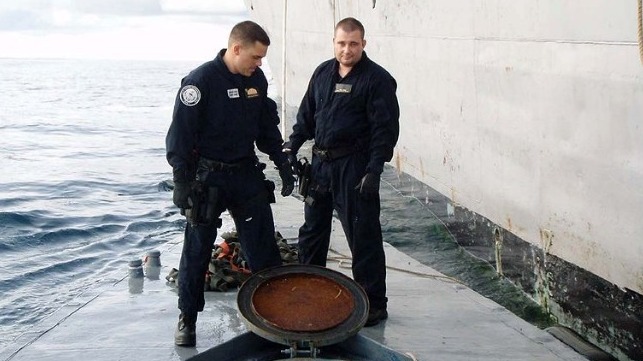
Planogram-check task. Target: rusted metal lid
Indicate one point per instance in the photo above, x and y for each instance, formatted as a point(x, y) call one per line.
point(302, 303)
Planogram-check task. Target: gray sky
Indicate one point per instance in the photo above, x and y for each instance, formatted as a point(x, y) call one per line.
point(117, 29)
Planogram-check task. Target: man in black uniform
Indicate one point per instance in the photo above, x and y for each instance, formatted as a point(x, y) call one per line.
point(351, 111)
point(221, 112)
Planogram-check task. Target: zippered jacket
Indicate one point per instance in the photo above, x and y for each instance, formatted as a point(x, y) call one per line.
point(360, 110)
point(221, 116)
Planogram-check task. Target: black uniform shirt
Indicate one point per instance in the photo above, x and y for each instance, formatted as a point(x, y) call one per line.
point(219, 115)
point(361, 108)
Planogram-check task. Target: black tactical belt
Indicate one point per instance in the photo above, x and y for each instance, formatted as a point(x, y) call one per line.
point(328, 155)
point(216, 166)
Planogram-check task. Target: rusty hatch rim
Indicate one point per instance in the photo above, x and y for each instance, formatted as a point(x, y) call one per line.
point(272, 309)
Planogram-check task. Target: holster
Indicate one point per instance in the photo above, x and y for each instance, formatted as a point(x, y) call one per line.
point(303, 169)
point(204, 202)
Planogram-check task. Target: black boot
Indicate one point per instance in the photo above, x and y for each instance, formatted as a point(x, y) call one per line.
point(185, 334)
point(375, 315)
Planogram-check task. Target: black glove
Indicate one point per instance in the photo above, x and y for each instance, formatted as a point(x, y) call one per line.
point(181, 195)
point(369, 185)
point(182, 188)
point(287, 179)
point(292, 156)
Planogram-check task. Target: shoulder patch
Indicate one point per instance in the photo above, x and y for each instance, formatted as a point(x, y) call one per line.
point(190, 95)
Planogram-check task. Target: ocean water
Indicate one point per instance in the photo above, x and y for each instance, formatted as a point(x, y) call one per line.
point(84, 188)
point(83, 185)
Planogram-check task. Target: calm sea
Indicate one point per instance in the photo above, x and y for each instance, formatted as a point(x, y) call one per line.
point(83, 187)
point(83, 181)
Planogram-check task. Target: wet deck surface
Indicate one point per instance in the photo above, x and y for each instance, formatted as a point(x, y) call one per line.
point(430, 317)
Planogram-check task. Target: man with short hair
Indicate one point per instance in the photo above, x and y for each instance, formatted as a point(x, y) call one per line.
point(221, 112)
point(351, 111)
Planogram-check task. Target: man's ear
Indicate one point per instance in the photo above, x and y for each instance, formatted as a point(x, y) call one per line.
point(363, 43)
point(236, 48)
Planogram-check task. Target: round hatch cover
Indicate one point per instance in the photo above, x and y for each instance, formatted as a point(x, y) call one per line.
point(302, 303)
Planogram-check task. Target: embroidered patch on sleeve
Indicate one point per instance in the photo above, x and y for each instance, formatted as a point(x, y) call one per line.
point(190, 95)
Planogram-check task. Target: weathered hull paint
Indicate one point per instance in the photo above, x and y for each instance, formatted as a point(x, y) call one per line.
point(524, 114)
point(604, 314)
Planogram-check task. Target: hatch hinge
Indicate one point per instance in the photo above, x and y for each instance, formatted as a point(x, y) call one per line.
point(301, 349)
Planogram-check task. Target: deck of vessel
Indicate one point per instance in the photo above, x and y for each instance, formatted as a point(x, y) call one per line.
point(430, 316)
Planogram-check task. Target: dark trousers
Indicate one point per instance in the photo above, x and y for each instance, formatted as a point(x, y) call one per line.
point(244, 193)
point(360, 219)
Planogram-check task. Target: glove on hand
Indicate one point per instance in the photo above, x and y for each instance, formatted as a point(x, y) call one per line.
point(369, 185)
point(181, 194)
point(287, 179)
point(292, 156)
point(182, 188)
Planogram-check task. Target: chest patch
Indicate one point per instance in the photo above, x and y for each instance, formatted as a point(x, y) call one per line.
point(251, 93)
point(190, 95)
point(233, 93)
point(343, 88)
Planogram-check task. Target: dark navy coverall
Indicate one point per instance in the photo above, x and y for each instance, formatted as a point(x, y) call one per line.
point(218, 118)
point(357, 118)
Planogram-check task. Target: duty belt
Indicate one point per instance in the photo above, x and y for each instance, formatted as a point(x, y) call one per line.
point(216, 166)
point(330, 154)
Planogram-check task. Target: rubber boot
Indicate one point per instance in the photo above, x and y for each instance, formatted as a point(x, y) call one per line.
point(185, 334)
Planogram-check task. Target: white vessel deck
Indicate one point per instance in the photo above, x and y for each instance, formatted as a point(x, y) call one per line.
point(430, 316)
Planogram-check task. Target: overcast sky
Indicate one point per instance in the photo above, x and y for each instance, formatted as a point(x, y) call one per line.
point(117, 29)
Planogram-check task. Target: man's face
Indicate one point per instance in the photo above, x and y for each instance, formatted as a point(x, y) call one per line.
point(248, 57)
point(349, 47)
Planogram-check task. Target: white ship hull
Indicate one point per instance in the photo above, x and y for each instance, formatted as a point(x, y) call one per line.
point(528, 114)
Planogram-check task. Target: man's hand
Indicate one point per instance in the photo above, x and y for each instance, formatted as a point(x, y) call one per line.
point(369, 186)
point(287, 179)
point(181, 194)
point(182, 188)
point(292, 157)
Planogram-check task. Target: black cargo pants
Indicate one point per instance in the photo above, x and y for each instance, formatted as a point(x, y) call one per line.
point(244, 193)
point(333, 188)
